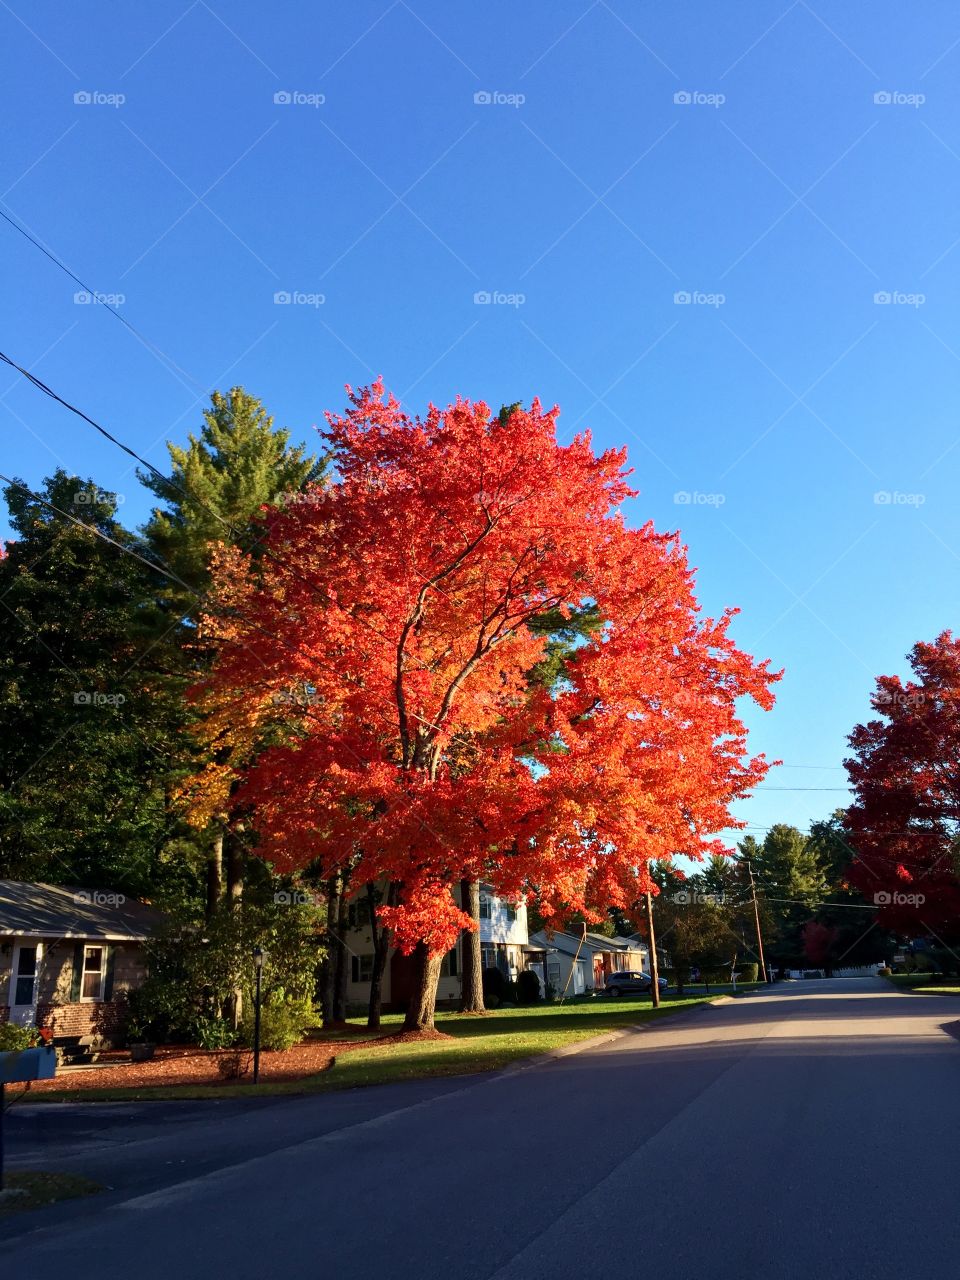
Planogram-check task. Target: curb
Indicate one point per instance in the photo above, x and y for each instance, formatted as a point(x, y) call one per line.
point(594, 1042)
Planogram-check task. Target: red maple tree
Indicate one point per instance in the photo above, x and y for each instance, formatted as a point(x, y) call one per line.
point(904, 824)
point(393, 614)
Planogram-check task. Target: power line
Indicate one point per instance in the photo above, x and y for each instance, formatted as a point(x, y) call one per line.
point(181, 490)
point(160, 567)
point(99, 298)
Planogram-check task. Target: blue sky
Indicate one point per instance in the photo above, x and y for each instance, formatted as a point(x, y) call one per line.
point(791, 169)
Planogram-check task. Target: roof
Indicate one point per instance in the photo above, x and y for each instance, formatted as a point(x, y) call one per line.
point(67, 911)
point(568, 943)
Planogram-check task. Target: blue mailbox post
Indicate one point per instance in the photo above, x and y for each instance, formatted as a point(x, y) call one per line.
point(19, 1066)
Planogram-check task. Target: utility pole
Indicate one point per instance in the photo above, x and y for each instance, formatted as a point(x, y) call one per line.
point(756, 916)
point(654, 975)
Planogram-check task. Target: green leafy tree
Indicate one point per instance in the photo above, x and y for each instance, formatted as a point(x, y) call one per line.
point(691, 925)
point(217, 484)
point(91, 713)
point(791, 881)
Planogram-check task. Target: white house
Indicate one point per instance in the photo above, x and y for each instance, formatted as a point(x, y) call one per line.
point(503, 945)
point(578, 963)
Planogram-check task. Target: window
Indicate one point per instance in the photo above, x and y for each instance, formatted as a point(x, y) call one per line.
point(361, 968)
point(93, 973)
point(495, 957)
point(449, 968)
point(359, 914)
point(484, 907)
point(510, 911)
point(26, 975)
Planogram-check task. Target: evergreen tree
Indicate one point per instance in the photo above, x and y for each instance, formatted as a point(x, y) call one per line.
point(91, 713)
point(239, 463)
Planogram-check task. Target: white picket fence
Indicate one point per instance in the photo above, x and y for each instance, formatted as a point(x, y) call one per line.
point(858, 971)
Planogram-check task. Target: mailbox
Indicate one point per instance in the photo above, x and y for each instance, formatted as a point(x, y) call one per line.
point(21, 1065)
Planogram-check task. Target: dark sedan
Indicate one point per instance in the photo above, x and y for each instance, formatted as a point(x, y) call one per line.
point(630, 982)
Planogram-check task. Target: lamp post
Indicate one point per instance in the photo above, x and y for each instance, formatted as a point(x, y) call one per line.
point(258, 969)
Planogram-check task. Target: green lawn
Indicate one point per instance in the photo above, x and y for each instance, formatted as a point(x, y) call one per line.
point(34, 1190)
point(482, 1043)
point(932, 983)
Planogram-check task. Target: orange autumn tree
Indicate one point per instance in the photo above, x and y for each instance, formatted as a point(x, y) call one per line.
point(398, 612)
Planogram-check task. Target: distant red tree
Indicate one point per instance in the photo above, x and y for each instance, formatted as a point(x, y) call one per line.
point(904, 824)
point(818, 943)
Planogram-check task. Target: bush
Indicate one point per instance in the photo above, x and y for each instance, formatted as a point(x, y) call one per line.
point(195, 970)
point(283, 1020)
point(884, 971)
point(13, 1037)
point(511, 994)
point(231, 1066)
point(494, 987)
point(748, 972)
point(528, 987)
point(214, 1033)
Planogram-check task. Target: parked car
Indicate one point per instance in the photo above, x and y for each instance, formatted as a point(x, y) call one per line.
point(630, 982)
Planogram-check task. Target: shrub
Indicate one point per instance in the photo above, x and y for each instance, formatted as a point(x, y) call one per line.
point(528, 987)
point(748, 972)
point(283, 1020)
point(884, 971)
point(214, 1033)
point(510, 992)
point(13, 1037)
point(231, 1066)
point(195, 970)
point(494, 987)
point(715, 977)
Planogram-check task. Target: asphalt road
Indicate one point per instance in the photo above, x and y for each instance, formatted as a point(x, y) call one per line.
point(808, 1131)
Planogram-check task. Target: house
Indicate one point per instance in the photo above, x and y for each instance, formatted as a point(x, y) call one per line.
point(69, 955)
point(576, 963)
point(503, 946)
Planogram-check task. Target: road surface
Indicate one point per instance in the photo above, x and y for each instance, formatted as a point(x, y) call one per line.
point(812, 1130)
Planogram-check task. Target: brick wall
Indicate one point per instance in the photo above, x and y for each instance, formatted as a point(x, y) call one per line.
point(87, 1019)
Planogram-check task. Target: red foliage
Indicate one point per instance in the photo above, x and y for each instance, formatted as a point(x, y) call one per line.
point(903, 823)
point(420, 751)
point(818, 940)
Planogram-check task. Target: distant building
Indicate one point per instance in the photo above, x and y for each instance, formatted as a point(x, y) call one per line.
point(503, 946)
point(577, 963)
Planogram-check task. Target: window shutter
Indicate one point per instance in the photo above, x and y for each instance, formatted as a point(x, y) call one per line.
point(108, 978)
point(77, 976)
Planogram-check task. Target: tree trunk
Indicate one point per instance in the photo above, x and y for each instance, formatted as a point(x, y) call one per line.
point(652, 941)
point(423, 999)
point(233, 901)
point(234, 873)
point(471, 981)
point(343, 961)
point(381, 952)
point(333, 947)
point(215, 871)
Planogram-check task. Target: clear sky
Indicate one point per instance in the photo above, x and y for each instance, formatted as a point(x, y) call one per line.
point(783, 166)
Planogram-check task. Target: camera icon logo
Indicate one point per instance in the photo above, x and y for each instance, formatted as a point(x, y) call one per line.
point(483, 98)
point(882, 898)
point(283, 97)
